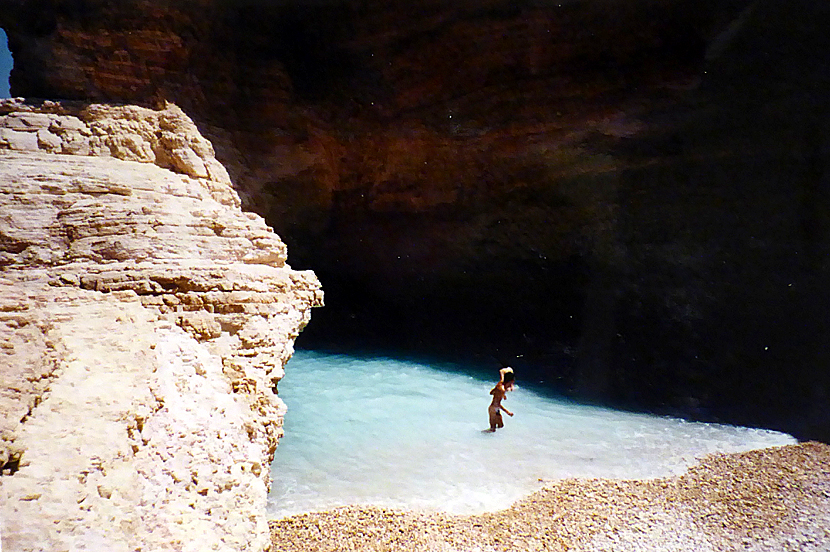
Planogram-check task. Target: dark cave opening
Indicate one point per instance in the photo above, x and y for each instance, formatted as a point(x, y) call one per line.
point(671, 165)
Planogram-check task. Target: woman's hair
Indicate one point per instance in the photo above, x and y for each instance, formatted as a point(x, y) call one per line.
point(509, 376)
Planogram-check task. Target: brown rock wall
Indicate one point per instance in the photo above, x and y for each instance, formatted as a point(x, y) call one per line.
point(614, 190)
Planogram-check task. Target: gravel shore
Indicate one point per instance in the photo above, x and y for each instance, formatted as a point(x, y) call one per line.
point(774, 499)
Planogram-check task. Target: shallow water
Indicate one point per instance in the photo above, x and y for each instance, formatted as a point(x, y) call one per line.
point(403, 434)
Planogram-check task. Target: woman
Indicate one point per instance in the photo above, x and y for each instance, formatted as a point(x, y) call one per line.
point(499, 392)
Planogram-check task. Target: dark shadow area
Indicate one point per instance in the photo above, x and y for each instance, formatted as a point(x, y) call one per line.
point(10, 467)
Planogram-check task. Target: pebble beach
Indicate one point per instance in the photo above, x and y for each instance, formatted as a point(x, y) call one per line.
point(775, 499)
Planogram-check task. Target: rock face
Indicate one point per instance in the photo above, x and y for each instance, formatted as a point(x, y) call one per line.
point(145, 321)
point(629, 194)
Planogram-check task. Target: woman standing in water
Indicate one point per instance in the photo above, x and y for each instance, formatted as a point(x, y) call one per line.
point(499, 392)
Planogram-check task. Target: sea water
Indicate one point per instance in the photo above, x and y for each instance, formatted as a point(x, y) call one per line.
point(408, 435)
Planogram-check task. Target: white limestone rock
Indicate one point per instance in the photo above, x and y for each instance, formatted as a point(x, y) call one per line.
point(144, 324)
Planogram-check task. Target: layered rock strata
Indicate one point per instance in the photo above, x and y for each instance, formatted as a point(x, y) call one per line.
point(145, 323)
point(627, 197)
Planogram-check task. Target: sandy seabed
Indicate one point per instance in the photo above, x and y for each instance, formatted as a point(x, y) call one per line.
point(775, 499)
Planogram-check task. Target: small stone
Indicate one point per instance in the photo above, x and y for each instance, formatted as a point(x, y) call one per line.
point(70, 279)
point(48, 141)
point(27, 122)
point(66, 124)
point(18, 141)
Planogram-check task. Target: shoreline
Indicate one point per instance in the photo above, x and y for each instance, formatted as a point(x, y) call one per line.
point(768, 499)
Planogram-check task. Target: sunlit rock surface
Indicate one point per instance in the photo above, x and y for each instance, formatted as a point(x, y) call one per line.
point(627, 197)
point(145, 321)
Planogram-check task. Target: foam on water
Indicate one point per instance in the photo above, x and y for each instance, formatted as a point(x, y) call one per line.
point(408, 435)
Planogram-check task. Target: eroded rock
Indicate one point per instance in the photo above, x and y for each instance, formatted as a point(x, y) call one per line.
point(145, 322)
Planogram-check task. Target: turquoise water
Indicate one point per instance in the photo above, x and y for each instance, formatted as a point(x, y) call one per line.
point(409, 435)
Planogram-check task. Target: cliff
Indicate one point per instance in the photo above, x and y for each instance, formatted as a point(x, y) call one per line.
point(626, 198)
point(145, 322)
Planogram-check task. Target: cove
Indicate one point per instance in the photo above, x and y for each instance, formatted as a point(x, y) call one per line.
point(408, 435)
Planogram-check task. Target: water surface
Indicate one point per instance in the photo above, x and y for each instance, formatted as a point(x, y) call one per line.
point(403, 434)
